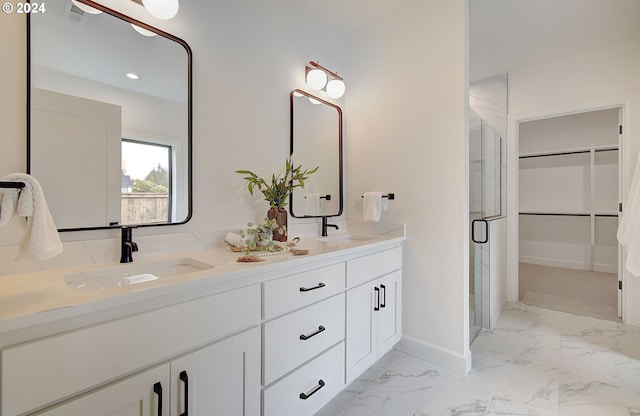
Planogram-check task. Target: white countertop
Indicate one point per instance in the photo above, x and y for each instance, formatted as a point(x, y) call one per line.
point(40, 298)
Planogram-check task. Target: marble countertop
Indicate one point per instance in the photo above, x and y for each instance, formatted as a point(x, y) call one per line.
point(42, 297)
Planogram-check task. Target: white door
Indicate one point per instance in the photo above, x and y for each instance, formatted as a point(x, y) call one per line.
point(75, 149)
point(362, 330)
point(388, 316)
point(222, 379)
point(146, 394)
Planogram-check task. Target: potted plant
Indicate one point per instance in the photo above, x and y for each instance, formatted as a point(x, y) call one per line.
point(277, 192)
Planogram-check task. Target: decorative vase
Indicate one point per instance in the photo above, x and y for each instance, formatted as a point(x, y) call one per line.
point(280, 215)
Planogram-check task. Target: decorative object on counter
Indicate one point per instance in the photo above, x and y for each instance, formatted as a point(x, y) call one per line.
point(299, 251)
point(375, 203)
point(249, 258)
point(260, 237)
point(277, 193)
point(41, 241)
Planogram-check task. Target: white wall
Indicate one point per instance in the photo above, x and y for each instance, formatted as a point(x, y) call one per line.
point(405, 124)
point(602, 78)
point(247, 57)
point(407, 133)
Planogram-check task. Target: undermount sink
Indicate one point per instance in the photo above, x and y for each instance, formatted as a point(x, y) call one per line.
point(134, 273)
point(347, 238)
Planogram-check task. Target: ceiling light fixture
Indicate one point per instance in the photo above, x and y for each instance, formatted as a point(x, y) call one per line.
point(162, 9)
point(317, 76)
point(131, 75)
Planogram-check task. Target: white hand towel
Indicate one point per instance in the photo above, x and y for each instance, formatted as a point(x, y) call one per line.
point(41, 240)
point(372, 206)
point(312, 204)
point(629, 228)
point(8, 204)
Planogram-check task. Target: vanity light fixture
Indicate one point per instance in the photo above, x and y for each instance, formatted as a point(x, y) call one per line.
point(133, 76)
point(143, 31)
point(162, 9)
point(85, 8)
point(317, 77)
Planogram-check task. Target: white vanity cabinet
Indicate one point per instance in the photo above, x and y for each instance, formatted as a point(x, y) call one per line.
point(373, 309)
point(215, 339)
point(303, 365)
point(145, 394)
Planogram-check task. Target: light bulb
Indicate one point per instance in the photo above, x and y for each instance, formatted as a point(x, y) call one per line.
point(86, 8)
point(162, 9)
point(314, 101)
point(335, 88)
point(316, 79)
point(143, 31)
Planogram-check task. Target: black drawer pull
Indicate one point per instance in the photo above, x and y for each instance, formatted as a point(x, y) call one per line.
point(157, 389)
point(185, 379)
point(305, 396)
point(306, 337)
point(377, 305)
point(306, 289)
point(383, 304)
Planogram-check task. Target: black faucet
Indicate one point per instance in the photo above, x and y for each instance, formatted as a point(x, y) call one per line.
point(325, 226)
point(127, 247)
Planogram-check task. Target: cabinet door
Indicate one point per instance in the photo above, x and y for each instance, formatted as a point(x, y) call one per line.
point(362, 332)
point(221, 379)
point(389, 315)
point(146, 394)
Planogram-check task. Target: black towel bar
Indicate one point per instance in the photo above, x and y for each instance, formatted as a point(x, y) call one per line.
point(391, 196)
point(11, 184)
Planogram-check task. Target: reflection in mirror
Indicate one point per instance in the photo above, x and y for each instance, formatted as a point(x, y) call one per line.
point(316, 140)
point(109, 121)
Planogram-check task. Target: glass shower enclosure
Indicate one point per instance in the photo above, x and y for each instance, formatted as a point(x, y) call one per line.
point(487, 203)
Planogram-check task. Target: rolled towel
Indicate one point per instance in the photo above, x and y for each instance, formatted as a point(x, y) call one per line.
point(312, 204)
point(41, 241)
point(234, 239)
point(372, 206)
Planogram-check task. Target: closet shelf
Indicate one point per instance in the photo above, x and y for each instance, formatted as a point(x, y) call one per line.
point(604, 148)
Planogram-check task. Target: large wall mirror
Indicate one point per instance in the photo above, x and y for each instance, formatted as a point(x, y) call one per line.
point(316, 140)
point(109, 118)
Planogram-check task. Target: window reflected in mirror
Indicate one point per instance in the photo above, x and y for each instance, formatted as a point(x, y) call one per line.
point(147, 176)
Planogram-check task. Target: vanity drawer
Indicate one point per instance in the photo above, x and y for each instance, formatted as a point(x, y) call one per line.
point(295, 338)
point(37, 373)
point(366, 268)
point(301, 289)
point(309, 388)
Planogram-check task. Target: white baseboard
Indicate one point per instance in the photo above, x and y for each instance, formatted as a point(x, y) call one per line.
point(447, 359)
point(568, 264)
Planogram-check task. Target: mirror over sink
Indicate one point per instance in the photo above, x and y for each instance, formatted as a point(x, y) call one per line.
point(109, 120)
point(316, 140)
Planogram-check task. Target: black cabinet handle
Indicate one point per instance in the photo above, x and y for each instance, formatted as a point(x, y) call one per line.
point(377, 306)
point(305, 396)
point(306, 337)
point(185, 379)
point(306, 289)
point(384, 296)
point(157, 389)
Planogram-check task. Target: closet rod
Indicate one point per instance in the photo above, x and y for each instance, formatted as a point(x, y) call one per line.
point(568, 152)
point(564, 214)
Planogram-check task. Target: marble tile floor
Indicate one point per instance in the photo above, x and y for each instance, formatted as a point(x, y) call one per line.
point(536, 362)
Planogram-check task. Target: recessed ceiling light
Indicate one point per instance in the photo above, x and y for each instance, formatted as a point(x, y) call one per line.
point(131, 75)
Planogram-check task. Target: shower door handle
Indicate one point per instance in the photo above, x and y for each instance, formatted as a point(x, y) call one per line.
point(486, 231)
